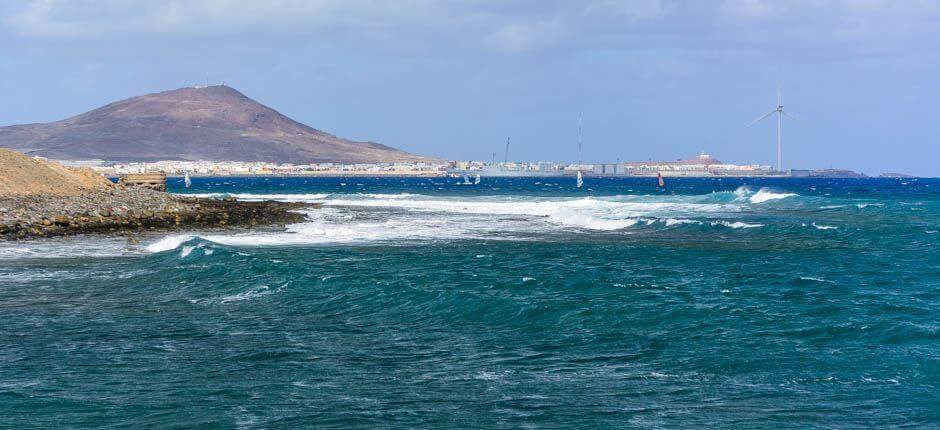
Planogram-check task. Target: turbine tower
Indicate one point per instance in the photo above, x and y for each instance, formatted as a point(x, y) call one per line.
point(780, 114)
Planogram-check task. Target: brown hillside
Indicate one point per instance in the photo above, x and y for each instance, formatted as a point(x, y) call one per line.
point(22, 175)
point(205, 123)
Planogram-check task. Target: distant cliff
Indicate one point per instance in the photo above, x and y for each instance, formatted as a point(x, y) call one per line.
point(207, 123)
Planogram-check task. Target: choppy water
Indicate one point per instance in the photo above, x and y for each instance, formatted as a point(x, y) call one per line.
point(517, 302)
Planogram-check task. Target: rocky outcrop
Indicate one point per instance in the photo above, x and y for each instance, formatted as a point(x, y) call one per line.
point(39, 198)
point(132, 210)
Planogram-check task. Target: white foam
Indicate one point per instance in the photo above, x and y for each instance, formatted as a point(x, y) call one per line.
point(398, 196)
point(350, 218)
point(589, 213)
point(810, 278)
point(671, 222)
point(824, 227)
point(743, 191)
point(253, 293)
point(305, 198)
point(766, 195)
point(169, 243)
point(247, 295)
point(16, 251)
point(737, 224)
point(69, 247)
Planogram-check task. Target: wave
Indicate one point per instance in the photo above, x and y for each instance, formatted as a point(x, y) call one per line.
point(87, 246)
point(672, 222)
point(330, 226)
point(531, 206)
point(813, 279)
point(169, 243)
point(261, 197)
point(398, 196)
point(353, 218)
point(737, 224)
point(404, 231)
point(605, 214)
point(766, 195)
point(251, 294)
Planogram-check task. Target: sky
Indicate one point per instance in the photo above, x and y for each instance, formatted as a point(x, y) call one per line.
point(652, 79)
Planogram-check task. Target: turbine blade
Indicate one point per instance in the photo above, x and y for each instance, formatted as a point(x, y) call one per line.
point(788, 115)
point(762, 117)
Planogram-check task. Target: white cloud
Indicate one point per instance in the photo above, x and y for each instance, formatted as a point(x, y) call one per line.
point(505, 26)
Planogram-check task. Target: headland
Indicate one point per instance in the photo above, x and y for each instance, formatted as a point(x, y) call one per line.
point(44, 199)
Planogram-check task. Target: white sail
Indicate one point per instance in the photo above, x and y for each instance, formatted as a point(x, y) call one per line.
point(476, 181)
point(186, 180)
point(466, 179)
point(580, 180)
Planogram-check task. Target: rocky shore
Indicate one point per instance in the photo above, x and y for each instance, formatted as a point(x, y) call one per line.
point(121, 210)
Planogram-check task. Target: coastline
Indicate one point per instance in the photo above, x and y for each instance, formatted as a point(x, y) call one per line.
point(123, 211)
point(528, 174)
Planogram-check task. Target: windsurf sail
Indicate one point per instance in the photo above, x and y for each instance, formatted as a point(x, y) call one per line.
point(662, 183)
point(476, 181)
point(580, 179)
point(186, 180)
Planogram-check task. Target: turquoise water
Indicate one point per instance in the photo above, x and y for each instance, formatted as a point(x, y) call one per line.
point(518, 302)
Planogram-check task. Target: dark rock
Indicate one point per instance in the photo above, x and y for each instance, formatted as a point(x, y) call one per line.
point(127, 210)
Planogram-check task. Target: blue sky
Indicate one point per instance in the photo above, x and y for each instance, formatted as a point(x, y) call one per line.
point(658, 79)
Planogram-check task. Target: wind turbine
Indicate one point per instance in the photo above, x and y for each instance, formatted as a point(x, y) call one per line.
point(780, 114)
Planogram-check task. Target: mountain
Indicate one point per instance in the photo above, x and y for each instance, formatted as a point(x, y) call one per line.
point(204, 123)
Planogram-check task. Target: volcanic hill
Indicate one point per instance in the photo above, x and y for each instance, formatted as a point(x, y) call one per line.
point(205, 123)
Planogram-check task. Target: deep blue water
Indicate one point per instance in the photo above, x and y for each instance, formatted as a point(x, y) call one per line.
point(515, 303)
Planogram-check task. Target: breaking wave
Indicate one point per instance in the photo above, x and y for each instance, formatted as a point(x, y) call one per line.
point(363, 218)
point(762, 195)
point(305, 198)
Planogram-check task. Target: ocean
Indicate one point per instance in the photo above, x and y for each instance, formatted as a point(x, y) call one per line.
point(518, 302)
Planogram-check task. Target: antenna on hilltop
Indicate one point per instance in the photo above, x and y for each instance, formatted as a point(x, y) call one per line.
point(506, 156)
point(780, 114)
